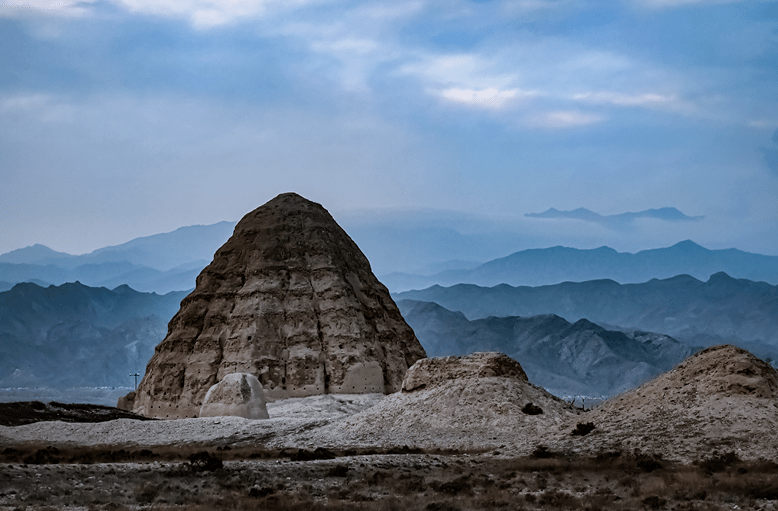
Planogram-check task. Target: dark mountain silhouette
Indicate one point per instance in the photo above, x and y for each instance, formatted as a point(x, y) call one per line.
point(723, 309)
point(73, 335)
point(109, 274)
point(537, 267)
point(581, 358)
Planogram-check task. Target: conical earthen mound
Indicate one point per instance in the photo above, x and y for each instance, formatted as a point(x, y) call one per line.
point(722, 398)
point(472, 402)
point(291, 299)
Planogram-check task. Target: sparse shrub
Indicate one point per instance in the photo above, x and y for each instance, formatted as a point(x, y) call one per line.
point(719, 463)
point(204, 462)
point(530, 498)
point(147, 495)
point(583, 428)
point(43, 456)
point(654, 502)
point(456, 486)
point(558, 499)
point(647, 464)
point(532, 409)
point(338, 471)
point(441, 506)
point(542, 452)
point(258, 492)
point(319, 453)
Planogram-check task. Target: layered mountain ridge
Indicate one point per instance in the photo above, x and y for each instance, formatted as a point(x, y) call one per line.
point(567, 359)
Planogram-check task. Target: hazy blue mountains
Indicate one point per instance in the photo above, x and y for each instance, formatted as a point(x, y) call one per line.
point(537, 267)
point(621, 221)
point(74, 335)
point(566, 358)
point(159, 263)
point(722, 309)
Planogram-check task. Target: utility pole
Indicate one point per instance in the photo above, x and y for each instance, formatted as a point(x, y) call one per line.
point(136, 379)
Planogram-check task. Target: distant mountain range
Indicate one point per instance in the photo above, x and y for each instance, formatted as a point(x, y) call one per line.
point(564, 358)
point(432, 244)
point(723, 309)
point(537, 267)
point(74, 335)
point(620, 221)
point(160, 263)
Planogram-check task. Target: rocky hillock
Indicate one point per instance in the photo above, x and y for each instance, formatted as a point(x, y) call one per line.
point(723, 399)
point(291, 299)
point(472, 402)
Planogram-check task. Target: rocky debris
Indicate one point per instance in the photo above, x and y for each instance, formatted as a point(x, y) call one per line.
point(126, 402)
point(237, 395)
point(722, 398)
point(432, 372)
point(291, 299)
point(471, 402)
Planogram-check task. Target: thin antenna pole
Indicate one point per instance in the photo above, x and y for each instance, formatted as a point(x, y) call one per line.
point(136, 379)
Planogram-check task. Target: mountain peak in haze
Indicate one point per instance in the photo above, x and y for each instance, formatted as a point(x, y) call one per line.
point(33, 253)
point(619, 221)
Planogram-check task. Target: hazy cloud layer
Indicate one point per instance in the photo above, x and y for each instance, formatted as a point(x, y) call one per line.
point(123, 118)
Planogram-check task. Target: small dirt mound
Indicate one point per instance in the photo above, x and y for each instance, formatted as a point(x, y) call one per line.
point(472, 402)
point(723, 398)
point(725, 371)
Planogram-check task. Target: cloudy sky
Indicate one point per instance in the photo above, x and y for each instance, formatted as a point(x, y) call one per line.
point(124, 118)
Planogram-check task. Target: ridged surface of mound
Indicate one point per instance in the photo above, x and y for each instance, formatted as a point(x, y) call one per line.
point(472, 402)
point(291, 299)
point(723, 398)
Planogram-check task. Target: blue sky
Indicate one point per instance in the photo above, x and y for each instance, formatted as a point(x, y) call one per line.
point(124, 118)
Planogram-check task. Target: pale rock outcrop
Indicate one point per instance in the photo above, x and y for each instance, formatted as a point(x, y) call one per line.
point(291, 299)
point(237, 395)
point(430, 372)
point(469, 402)
point(721, 399)
point(126, 402)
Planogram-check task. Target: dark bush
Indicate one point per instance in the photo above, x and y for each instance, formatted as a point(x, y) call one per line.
point(558, 499)
point(542, 452)
point(257, 492)
point(654, 502)
point(766, 492)
point(43, 456)
point(532, 409)
point(204, 462)
point(319, 453)
point(338, 471)
point(647, 464)
point(441, 506)
point(455, 486)
point(719, 463)
point(583, 428)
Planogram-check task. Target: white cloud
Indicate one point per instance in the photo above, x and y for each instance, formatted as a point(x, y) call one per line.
point(662, 4)
point(763, 123)
point(209, 13)
point(346, 46)
point(565, 119)
point(491, 97)
point(621, 99)
point(11, 8)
